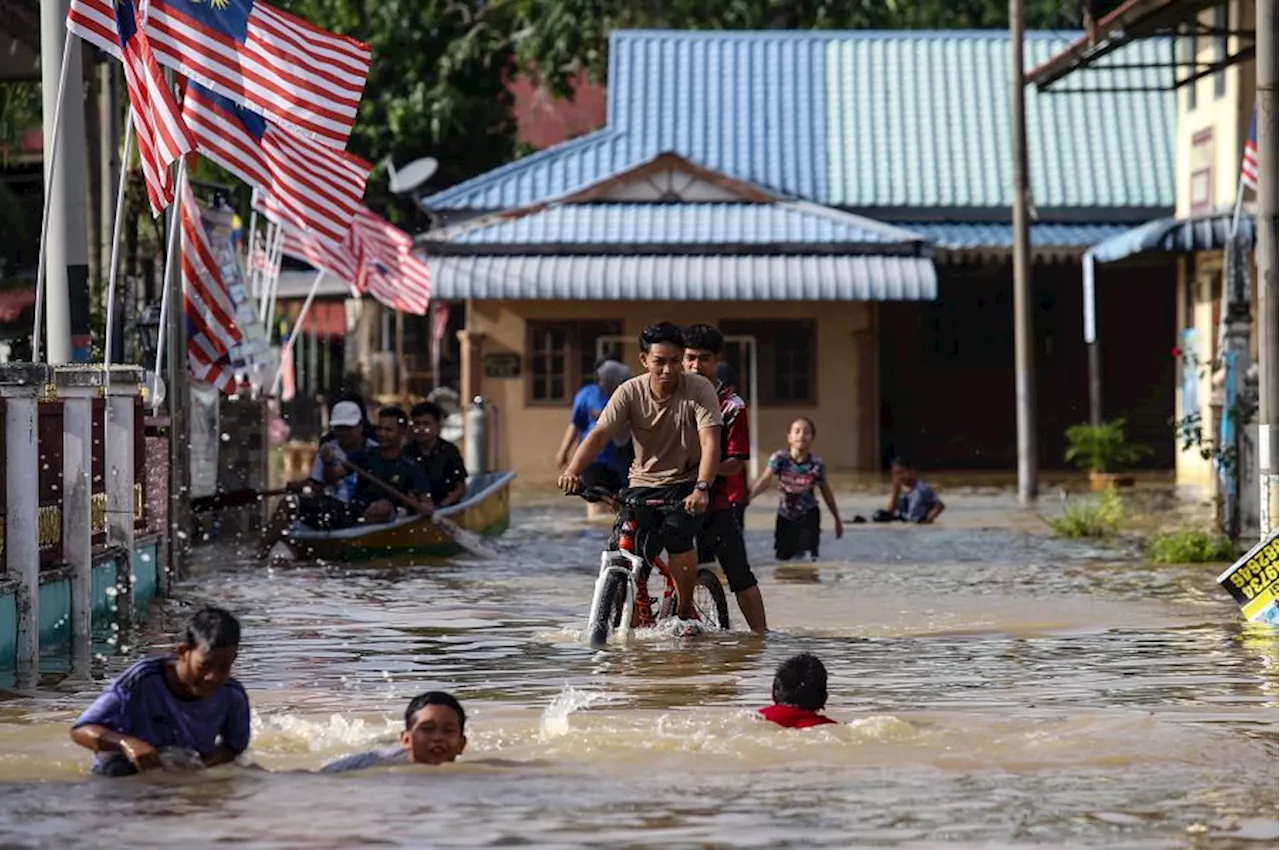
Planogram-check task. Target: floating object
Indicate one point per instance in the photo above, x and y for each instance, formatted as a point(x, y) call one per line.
point(1252, 582)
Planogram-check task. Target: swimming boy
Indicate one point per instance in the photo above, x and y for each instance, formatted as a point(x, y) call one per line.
point(185, 701)
point(434, 733)
point(798, 472)
point(799, 693)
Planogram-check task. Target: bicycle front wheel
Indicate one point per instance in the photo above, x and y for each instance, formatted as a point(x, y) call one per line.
point(709, 601)
point(606, 608)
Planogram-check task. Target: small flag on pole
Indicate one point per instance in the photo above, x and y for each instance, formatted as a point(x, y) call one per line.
point(1249, 165)
point(117, 27)
point(206, 301)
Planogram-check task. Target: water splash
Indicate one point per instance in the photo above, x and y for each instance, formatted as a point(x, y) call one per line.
point(555, 718)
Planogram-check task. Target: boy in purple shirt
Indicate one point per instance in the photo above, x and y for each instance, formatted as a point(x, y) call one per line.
point(182, 702)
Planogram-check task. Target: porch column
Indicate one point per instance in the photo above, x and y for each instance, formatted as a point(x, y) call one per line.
point(122, 388)
point(77, 387)
point(20, 383)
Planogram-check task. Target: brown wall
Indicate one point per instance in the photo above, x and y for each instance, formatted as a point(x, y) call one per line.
point(946, 368)
point(844, 411)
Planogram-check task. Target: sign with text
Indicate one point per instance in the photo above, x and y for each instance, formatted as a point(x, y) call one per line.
point(503, 365)
point(1252, 581)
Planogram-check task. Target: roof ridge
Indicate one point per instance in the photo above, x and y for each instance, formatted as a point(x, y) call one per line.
point(838, 34)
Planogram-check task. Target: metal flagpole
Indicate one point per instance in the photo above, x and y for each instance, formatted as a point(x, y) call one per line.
point(166, 295)
point(259, 274)
point(117, 226)
point(297, 328)
point(274, 268)
point(1023, 348)
point(50, 165)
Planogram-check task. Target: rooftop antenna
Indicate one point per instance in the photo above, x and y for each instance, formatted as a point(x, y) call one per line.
point(408, 180)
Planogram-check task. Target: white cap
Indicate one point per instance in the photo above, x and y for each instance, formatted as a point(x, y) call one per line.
point(345, 415)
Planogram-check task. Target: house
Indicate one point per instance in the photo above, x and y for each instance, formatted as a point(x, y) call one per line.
point(1212, 74)
point(837, 202)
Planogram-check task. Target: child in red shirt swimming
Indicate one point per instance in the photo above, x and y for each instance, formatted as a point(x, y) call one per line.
point(799, 693)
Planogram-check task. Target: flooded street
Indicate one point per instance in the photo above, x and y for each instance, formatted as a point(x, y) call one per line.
point(996, 688)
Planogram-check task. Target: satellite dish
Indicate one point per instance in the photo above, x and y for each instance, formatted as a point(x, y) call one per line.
point(412, 176)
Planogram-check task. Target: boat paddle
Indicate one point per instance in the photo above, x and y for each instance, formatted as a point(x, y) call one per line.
point(469, 540)
point(234, 498)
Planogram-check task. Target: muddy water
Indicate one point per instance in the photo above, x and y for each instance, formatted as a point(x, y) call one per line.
point(997, 689)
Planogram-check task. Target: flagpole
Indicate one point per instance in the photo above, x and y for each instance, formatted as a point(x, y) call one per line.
point(298, 324)
point(261, 279)
point(253, 227)
point(274, 268)
point(117, 226)
point(167, 295)
point(49, 172)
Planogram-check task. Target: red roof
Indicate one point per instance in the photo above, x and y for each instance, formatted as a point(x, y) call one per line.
point(543, 120)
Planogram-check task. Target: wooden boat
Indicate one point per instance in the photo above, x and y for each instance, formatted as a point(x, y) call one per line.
point(486, 510)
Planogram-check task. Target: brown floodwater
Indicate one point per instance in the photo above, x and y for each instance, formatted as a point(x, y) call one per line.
point(996, 688)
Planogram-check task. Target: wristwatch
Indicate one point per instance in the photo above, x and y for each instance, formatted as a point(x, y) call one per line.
point(702, 486)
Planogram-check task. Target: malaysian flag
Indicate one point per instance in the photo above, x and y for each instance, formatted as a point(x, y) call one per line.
point(1249, 165)
point(337, 260)
point(318, 189)
point(387, 267)
point(162, 137)
point(211, 324)
point(296, 74)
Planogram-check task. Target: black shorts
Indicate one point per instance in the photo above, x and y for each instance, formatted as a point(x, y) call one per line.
point(792, 537)
point(671, 529)
point(325, 513)
point(721, 540)
point(603, 475)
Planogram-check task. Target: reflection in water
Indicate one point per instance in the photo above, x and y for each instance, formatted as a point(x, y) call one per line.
point(997, 688)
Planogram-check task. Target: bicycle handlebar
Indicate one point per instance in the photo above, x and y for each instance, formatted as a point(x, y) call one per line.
point(604, 494)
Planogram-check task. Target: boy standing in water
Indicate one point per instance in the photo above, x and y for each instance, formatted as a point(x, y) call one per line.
point(799, 693)
point(187, 701)
point(721, 536)
point(798, 472)
point(434, 733)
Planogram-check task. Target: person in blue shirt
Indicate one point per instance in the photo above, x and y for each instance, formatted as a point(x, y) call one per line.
point(610, 467)
point(911, 500)
point(172, 706)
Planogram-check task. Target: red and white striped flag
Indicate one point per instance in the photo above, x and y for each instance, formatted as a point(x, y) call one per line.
point(1249, 165)
point(317, 189)
point(387, 267)
point(206, 301)
point(298, 75)
point(337, 260)
point(116, 28)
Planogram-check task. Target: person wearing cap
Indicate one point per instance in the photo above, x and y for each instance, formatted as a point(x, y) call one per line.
point(610, 467)
point(326, 508)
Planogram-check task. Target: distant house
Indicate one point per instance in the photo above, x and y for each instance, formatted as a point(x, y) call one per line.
point(838, 202)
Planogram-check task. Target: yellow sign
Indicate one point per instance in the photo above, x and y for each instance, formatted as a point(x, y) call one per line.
point(1253, 581)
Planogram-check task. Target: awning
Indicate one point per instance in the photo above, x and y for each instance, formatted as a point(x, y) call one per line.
point(665, 277)
point(1173, 235)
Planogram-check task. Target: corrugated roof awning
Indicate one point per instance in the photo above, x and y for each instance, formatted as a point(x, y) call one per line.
point(971, 236)
point(1173, 235)
point(685, 278)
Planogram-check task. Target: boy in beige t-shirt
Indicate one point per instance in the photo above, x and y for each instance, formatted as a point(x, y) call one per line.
point(675, 428)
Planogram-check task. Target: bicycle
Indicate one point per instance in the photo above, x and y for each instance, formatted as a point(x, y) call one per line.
point(622, 588)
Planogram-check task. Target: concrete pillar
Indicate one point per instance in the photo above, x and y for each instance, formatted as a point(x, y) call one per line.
point(122, 387)
point(20, 383)
point(77, 387)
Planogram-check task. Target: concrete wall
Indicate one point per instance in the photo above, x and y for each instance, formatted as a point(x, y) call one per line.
point(1208, 172)
point(528, 433)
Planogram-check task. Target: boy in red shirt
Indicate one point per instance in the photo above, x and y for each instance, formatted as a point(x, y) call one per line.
point(799, 693)
point(721, 536)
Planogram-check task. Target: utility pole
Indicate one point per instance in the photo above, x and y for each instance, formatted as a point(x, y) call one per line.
point(108, 159)
point(67, 271)
point(1023, 359)
point(1268, 293)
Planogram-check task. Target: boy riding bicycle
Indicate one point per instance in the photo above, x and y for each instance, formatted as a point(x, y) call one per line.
point(675, 426)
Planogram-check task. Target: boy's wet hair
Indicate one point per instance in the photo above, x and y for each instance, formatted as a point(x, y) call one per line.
point(703, 337)
point(813, 428)
point(213, 628)
point(427, 408)
point(421, 701)
point(397, 413)
point(801, 682)
point(660, 332)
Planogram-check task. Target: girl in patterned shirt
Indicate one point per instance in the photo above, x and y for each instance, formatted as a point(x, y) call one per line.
point(798, 472)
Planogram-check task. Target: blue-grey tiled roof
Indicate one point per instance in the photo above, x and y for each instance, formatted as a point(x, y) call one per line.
point(966, 236)
point(683, 278)
point(677, 224)
point(864, 120)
